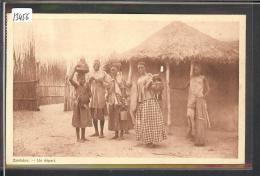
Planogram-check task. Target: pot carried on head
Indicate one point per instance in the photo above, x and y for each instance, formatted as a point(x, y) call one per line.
point(82, 66)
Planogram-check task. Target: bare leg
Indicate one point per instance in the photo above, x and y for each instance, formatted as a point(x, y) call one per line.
point(116, 135)
point(83, 137)
point(191, 127)
point(102, 123)
point(77, 133)
point(121, 134)
point(95, 123)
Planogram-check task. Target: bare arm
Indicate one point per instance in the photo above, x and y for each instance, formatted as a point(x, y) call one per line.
point(149, 81)
point(74, 83)
point(207, 88)
point(107, 80)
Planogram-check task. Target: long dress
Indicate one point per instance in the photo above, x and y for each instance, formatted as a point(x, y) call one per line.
point(118, 112)
point(81, 114)
point(98, 90)
point(149, 118)
point(197, 109)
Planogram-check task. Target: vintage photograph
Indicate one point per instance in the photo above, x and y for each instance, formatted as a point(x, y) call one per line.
point(125, 89)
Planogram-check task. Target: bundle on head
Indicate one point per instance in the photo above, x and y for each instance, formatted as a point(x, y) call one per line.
point(82, 66)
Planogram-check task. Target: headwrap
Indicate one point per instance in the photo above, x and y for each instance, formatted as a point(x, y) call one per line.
point(115, 64)
point(140, 63)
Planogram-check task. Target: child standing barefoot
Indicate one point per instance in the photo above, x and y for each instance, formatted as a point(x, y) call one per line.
point(81, 114)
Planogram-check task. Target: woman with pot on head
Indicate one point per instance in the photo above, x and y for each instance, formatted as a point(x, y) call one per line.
point(81, 115)
point(99, 81)
point(117, 102)
point(149, 123)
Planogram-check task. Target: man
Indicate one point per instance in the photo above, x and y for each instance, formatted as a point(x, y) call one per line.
point(99, 81)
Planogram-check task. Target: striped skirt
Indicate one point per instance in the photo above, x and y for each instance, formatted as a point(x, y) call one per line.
point(149, 122)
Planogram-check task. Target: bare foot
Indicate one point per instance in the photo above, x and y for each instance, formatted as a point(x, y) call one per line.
point(101, 135)
point(85, 139)
point(199, 145)
point(151, 145)
point(148, 145)
point(115, 137)
point(94, 135)
point(121, 138)
point(81, 141)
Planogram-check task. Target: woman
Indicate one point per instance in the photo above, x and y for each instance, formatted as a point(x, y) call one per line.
point(99, 81)
point(197, 113)
point(117, 103)
point(197, 108)
point(81, 115)
point(149, 119)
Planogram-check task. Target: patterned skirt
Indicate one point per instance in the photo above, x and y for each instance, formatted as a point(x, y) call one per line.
point(149, 122)
point(201, 116)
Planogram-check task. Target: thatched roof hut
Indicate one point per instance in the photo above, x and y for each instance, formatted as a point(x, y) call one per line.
point(179, 43)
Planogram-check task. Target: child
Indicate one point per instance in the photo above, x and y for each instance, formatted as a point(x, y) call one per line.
point(81, 114)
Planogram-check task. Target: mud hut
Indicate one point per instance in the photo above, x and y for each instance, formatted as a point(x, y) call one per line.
point(174, 48)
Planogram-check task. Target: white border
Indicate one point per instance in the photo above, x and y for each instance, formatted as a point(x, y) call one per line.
point(109, 160)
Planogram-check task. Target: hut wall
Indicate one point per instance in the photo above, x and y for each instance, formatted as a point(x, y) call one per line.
point(222, 99)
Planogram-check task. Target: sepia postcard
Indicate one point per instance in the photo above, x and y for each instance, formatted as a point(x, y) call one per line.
point(91, 89)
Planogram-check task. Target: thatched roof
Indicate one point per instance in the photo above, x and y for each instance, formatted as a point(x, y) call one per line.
point(180, 42)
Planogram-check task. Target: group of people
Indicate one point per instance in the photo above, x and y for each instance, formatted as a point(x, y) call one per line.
point(100, 93)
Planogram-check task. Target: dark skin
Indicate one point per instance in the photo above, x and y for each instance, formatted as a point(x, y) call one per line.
point(96, 67)
point(142, 72)
point(113, 72)
point(81, 82)
point(196, 72)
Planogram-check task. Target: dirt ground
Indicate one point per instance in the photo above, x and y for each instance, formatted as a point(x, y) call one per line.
point(49, 133)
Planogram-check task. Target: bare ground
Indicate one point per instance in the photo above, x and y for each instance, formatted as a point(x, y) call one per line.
point(49, 133)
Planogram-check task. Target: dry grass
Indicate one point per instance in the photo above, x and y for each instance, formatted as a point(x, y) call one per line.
point(28, 74)
point(179, 42)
